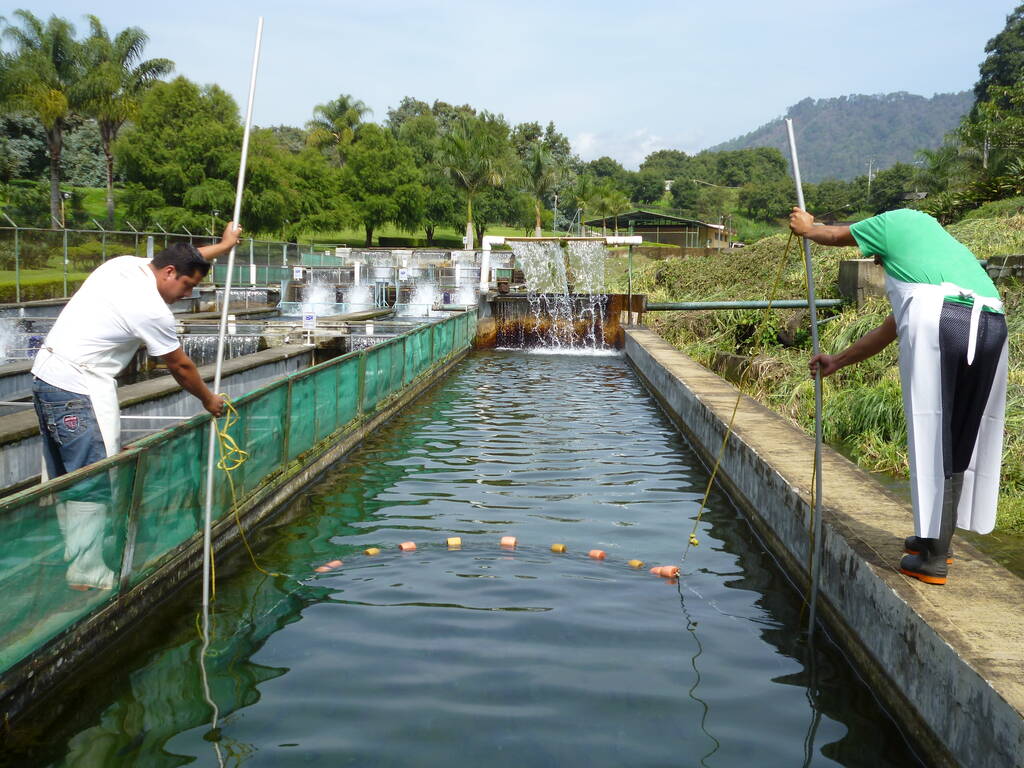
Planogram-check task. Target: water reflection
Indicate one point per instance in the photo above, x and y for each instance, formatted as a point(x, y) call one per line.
point(483, 656)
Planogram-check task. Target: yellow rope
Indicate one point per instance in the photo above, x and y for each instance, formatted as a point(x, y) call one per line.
point(232, 456)
point(693, 541)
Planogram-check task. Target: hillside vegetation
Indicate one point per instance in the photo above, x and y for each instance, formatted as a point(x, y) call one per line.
point(863, 413)
point(837, 137)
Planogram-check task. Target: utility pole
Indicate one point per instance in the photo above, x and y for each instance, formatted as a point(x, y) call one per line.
point(870, 174)
point(554, 213)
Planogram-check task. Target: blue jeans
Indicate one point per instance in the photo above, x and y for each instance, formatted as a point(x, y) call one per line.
point(67, 425)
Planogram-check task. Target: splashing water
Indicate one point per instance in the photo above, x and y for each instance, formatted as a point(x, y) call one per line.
point(358, 297)
point(559, 319)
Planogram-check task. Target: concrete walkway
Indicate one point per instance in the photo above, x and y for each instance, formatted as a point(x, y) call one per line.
point(947, 660)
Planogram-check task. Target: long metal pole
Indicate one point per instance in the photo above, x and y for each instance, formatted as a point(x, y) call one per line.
point(211, 458)
point(812, 305)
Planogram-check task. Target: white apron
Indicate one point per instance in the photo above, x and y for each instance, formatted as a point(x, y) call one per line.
point(917, 308)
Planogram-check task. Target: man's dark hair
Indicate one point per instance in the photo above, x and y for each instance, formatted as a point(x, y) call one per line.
point(185, 259)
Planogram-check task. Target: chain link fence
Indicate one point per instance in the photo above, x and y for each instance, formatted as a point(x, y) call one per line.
point(38, 264)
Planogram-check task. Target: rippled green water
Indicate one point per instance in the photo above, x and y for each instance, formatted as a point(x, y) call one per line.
point(485, 657)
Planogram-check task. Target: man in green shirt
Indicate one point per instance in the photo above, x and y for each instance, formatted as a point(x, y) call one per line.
point(953, 370)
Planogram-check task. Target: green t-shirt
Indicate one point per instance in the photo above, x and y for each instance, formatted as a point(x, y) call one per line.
point(916, 249)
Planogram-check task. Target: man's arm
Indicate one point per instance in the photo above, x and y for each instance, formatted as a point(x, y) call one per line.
point(228, 241)
point(868, 345)
point(801, 223)
point(185, 373)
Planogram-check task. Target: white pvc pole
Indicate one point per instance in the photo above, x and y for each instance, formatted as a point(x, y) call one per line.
point(223, 330)
point(816, 554)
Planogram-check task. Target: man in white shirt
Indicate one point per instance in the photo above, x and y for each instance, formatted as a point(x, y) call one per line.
point(122, 304)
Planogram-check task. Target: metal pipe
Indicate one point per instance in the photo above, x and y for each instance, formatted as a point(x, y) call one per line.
point(223, 331)
point(673, 306)
point(818, 433)
point(17, 260)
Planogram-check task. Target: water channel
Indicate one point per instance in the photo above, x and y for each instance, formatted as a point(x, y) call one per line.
point(483, 655)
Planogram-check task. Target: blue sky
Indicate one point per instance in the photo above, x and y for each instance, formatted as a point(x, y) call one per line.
point(620, 79)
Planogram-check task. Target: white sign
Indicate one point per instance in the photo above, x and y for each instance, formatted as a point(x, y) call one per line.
point(296, 273)
point(309, 321)
point(403, 274)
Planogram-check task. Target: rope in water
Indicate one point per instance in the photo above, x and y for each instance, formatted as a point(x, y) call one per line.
point(693, 541)
point(232, 457)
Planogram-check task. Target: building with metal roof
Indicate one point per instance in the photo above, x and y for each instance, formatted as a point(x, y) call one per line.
point(666, 228)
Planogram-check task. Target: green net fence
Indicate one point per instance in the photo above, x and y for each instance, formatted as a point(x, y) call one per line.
point(125, 517)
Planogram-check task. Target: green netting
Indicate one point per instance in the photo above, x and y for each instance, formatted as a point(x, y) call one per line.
point(49, 541)
point(301, 426)
point(396, 371)
point(169, 507)
point(242, 275)
point(325, 382)
point(417, 350)
point(262, 417)
point(106, 514)
point(371, 378)
point(348, 389)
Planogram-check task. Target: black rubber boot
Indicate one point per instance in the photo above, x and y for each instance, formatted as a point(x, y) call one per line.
point(930, 563)
point(912, 545)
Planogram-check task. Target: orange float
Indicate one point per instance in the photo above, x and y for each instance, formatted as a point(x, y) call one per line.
point(334, 564)
point(509, 542)
point(407, 546)
point(322, 569)
point(597, 554)
point(666, 571)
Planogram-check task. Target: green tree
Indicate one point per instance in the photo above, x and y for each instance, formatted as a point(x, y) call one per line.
point(421, 133)
point(608, 202)
point(889, 187)
point(648, 187)
point(1004, 62)
point(45, 80)
point(476, 154)
point(382, 181)
point(334, 124)
point(182, 136)
point(668, 164)
point(765, 201)
point(685, 194)
point(408, 109)
point(580, 194)
point(117, 77)
point(541, 175)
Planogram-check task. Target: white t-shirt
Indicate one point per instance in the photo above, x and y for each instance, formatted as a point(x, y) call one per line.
point(117, 308)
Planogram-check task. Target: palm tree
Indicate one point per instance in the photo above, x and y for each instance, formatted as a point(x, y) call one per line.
point(45, 81)
point(475, 153)
point(608, 201)
point(115, 83)
point(541, 176)
point(334, 124)
point(580, 194)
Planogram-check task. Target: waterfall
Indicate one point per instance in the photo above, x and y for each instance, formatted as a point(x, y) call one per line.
point(202, 347)
point(20, 339)
point(557, 319)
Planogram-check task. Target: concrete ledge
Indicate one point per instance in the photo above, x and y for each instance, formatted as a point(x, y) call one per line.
point(946, 660)
point(162, 396)
point(27, 684)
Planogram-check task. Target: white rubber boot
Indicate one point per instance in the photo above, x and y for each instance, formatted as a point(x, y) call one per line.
point(83, 525)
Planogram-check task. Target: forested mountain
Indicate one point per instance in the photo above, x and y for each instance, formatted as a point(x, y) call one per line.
point(838, 137)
